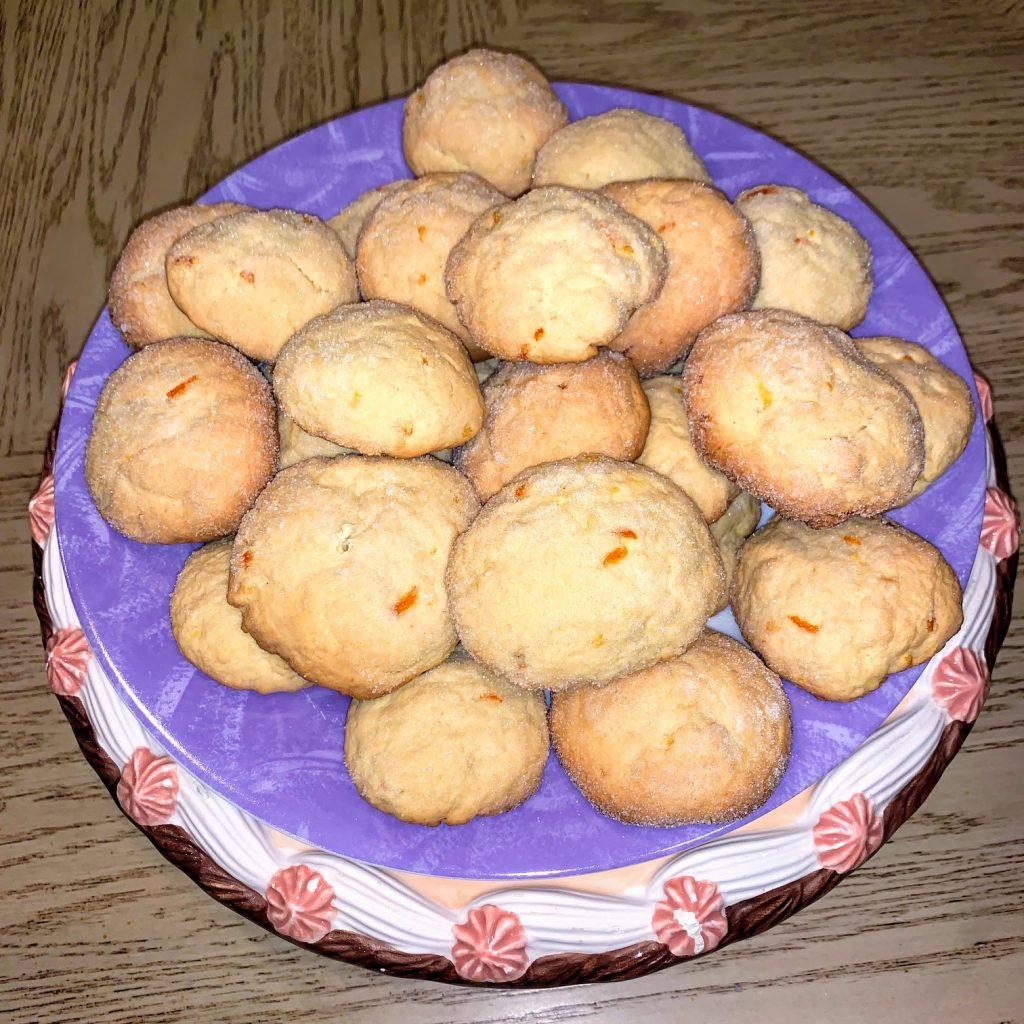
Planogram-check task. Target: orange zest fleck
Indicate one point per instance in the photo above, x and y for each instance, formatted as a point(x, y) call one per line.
point(908, 359)
point(538, 334)
point(520, 492)
point(524, 352)
point(931, 624)
point(629, 534)
point(807, 627)
point(180, 389)
point(186, 261)
point(246, 558)
point(492, 696)
point(829, 384)
point(248, 276)
point(422, 232)
point(615, 555)
point(422, 279)
point(406, 601)
point(628, 250)
point(850, 539)
point(766, 395)
point(666, 227)
point(798, 240)
point(496, 217)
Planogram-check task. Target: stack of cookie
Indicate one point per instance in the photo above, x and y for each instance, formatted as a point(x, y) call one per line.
point(656, 362)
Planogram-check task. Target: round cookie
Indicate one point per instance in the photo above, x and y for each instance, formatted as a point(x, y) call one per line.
point(812, 261)
point(669, 450)
point(580, 571)
point(837, 610)
point(297, 445)
point(713, 266)
point(349, 220)
point(380, 378)
point(541, 414)
point(141, 307)
point(339, 569)
point(704, 737)
point(254, 278)
point(209, 631)
point(941, 397)
point(554, 275)
point(793, 412)
point(731, 531)
point(405, 243)
point(618, 145)
point(485, 112)
point(183, 440)
point(454, 743)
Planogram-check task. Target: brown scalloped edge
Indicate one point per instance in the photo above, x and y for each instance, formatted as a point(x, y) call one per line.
point(747, 918)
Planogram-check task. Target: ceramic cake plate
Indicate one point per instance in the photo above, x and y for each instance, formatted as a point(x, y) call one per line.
point(248, 794)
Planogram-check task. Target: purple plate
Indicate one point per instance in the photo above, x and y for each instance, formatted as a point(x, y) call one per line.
point(280, 757)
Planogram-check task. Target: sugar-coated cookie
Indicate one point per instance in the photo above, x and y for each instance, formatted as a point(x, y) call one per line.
point(381, 379)
point(209, 631)
point(454, 743)
point(618, 145)
point(580, 571)
point(702, 737)
point(795, 413)
point(941, 397)
point(485, 112)
point(297, 445)
point(731, 531)
point(141, 307)
point(183, 440)
point(339, 568)
point(349, 220)
point(254, 278)
point(813, 262)
point(553, 276)
point(405, 243)
point(836, 610)
point(541, 414)
point(713, 266)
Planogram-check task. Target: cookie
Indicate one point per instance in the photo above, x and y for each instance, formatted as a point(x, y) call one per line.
point(451, 745)
point(941, 397)
point(183, 440)
point(812, 261)
point(339, 569)
point(837, 610)
point(553, 276)
point(381, 379)
point(580, 571)
point(141, 307)
point(541, 414)
point(704, 737)
point(209, 631)
point(349, 220)
point(618, 145)
point(792, 411)
point(297, 445)
point(254, 278)
point(406, 241)
point(731, 531)
point(713, 266)
point(485, 112)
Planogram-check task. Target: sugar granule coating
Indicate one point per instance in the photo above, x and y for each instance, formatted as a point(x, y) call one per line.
point(582, 570)
point(381, 379)
point(813, 262)
point(141, 307)
point(618, 145)
point(837, 610)
point(183, 440)
point(339, 568)
point(297, 445)
point(541, 414)
point(451, 745)
point(254, 278)
point(209, 631)
point(553, 276)
point(704, 737)
point(713, 267)
point(731, 531)
point(795, 413)
point(485, 112)
point(405, 243)
point(942, 399)
point(669, 450)
point(349, 220)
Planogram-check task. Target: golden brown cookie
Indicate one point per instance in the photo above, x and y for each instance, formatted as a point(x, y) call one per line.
point(540, 414)
point(836, 610)
point(793, 412)
point(209, 631)
point(349, 220)
point(713, 266)
point(703, 737)
point(339, 569)
point(580, 571)
point(485, 112)
point(297, 445)
point(254, 278)
point(731, 531)
point(183, 440)
point(553, 276)
point(381, 379)
point(454, 743)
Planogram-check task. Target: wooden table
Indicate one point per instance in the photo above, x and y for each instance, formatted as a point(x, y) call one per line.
point(111, 111)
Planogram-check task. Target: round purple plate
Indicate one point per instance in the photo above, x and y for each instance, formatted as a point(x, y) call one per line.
point(280, 757)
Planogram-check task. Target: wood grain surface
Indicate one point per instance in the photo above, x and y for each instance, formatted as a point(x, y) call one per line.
point(110, 111)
